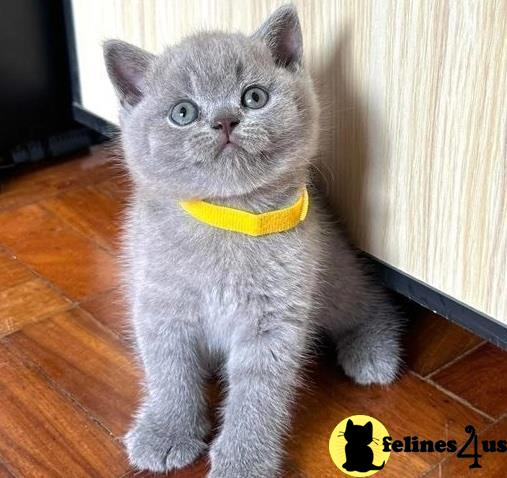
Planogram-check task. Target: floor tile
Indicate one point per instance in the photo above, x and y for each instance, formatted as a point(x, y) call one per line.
point(42, 433)
point(73, 263)
point(24, 298)
point(87, 361)
point(76, 379)
point(480, 378)
point(90, 211)
point(112, 311)
point(28, 302)
point(48, 179)
point(12, 272)
point(494, 465)
point(119, 187)
point(409, 407)
point(433, 341)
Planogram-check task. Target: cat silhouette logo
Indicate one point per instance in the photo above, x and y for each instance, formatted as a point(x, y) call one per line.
point(356, 446)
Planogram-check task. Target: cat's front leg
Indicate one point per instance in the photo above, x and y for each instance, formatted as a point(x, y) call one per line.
point(171, 424)
point(262, 371)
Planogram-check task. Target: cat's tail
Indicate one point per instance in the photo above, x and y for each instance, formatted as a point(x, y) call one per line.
point(374, 467)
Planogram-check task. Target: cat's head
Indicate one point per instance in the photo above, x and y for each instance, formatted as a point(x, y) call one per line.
point(219, 114)
point(359, 434)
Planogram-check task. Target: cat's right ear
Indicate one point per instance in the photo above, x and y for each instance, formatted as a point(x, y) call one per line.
point(281, 32)
point(350, 424)
point(126, 66)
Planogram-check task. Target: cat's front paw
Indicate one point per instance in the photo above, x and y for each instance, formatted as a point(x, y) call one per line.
point(155, 449)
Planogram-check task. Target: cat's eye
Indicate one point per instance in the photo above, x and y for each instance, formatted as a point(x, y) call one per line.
point(183, 113)
point(254, 97)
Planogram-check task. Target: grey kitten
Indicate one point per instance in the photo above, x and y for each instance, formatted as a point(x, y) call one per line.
point(203, 297)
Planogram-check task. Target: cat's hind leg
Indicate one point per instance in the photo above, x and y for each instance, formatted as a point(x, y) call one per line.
point(370, 352)
point(363, 323)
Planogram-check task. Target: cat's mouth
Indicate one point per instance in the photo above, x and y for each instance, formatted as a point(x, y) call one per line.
point(228, 145)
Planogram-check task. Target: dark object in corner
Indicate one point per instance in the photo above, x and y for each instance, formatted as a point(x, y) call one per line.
point(35, 102)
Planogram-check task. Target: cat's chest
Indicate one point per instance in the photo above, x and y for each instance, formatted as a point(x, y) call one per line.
point(237, 281)
point(230, 299)
point(230, 272)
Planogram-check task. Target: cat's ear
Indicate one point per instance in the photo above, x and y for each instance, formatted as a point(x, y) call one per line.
point(369, 428)
point(126, 66)
point(350, 424)
point(282, 34)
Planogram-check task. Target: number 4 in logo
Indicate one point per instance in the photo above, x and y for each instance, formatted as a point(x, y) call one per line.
point(472, 440)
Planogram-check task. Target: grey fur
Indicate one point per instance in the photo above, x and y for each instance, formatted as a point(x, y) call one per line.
point(204, 298)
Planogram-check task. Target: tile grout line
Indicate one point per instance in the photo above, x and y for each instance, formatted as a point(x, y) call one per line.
point(41, 319)
point(37, 274)
point(454, 396)
point(129, 346)
point(62, 391)
point(449, 457)
point(118, 337)
point(102, 325)
point(77, 231)
point(52, 285)
point(433, 468)
point(5, 465)
point(456, 359)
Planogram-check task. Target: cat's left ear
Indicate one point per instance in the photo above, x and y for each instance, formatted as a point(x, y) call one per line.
point(282, 34)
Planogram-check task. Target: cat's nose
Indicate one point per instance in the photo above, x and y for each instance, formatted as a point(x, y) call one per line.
point(225, 124)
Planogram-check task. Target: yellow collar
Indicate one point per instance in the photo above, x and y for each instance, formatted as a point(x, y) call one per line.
point(246, 222)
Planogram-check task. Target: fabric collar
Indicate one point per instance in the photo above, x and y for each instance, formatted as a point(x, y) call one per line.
point(244, 222)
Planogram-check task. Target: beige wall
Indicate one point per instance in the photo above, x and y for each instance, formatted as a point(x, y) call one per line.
point(414, 141)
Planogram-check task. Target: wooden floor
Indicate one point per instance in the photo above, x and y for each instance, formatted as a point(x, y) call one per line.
point(69, 385)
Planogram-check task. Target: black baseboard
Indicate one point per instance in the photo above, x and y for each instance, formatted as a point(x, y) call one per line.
point(87, 118)
point(440, 303)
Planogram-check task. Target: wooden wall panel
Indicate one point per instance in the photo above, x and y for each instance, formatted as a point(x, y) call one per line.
point(415, 119)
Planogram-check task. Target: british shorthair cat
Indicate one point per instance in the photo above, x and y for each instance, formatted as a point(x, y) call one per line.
point(218, 134)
